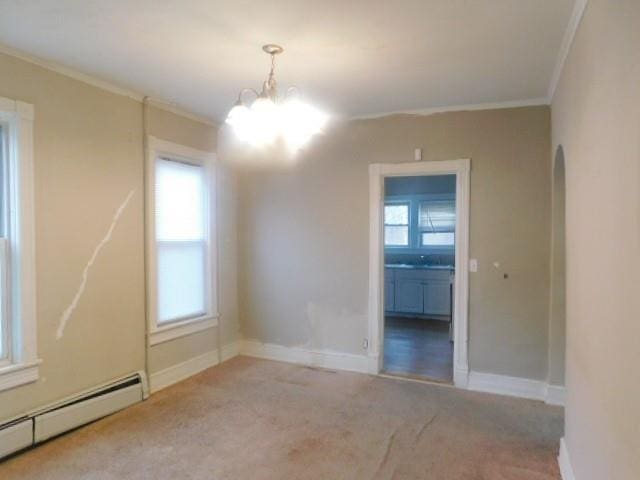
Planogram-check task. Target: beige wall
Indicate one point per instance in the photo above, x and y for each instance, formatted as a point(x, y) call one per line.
point(596, 119)
point(558, 308)
point(88, 157)
point(304, 233)
point(179, 129)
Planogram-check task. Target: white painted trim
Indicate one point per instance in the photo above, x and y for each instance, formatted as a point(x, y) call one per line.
point(377, 173)
point(516, 387)
point(569, 34)
point(175, 330)
point(104, 85)
point(155, 148)
point(555, 395)
point(178, 110)
point(304, 356)
point(175, 149)
point(17, 374)
point(230, 350)
point(564, 462)
point(505, 385)
point(528, 102)
point(18, 117)
point(477, 381)
point(181, 371)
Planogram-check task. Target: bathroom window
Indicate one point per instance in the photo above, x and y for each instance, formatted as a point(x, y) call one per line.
point(396, 224)
point(437, 223)
point(182, 256)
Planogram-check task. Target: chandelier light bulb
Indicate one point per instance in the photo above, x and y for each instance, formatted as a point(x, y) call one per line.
point(299, 121)
point(237, 114)
point(270, 118)
point(264, 117)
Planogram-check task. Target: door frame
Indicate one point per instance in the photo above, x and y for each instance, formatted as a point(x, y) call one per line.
point(377, 173)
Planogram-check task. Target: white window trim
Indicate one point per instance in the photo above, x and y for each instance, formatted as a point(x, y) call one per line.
point(22, 365)
point(163, 333)
point(415, 246)
point(406, 202)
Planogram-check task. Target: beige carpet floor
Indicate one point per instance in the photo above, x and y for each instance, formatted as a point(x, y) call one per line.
point(257, 419)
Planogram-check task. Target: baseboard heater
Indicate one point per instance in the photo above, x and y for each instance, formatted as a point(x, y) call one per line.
point(71, 413)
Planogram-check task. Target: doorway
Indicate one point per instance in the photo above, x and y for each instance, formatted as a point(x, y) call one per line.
point(419, 270)
point(418, 325)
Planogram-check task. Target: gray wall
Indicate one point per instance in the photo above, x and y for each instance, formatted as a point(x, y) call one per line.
point(596, 119)
point(304, 230)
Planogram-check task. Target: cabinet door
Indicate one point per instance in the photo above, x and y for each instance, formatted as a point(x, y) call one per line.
point(409, 296)
point(437, 297)
point(389, 295)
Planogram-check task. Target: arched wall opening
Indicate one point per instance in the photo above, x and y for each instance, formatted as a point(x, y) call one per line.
point(557, 317)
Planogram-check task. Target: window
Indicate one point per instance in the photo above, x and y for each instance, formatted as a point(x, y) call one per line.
point(18, 359)
point(396, 224)
point(4, 321)
point(437, 223)
point(181, 256)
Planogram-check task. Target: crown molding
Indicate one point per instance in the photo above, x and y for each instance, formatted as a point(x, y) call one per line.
point(105, 85)
point(177, 110)
point(530, 102)
point(569, 34)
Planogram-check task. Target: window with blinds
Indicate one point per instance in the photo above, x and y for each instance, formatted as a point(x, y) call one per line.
point(437, 223)
point(396, 224)
point(4, 257)
point(182, 232)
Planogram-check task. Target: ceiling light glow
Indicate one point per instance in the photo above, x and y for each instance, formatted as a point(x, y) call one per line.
point(270, 118)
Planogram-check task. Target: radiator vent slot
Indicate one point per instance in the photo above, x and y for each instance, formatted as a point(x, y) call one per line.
point(71, 413)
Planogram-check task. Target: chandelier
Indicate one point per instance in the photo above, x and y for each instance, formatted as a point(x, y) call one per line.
point(270, 118)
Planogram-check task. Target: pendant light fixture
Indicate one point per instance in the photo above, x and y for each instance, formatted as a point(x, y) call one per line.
point(270, 118)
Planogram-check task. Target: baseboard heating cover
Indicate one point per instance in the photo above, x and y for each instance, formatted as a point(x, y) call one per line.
point(16, 436)
point(74, 412)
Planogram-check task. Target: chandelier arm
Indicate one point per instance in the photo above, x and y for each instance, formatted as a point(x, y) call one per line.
point(293, 89)
point(245, 90)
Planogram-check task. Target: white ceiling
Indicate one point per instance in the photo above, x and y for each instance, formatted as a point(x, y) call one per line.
point(354, 57)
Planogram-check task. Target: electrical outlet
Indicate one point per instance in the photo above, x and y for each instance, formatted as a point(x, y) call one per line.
point(365, 343)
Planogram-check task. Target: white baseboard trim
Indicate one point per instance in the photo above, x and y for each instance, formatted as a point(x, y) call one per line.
point(461, 377)
point(504, 385)
point(516, 387)
point(230, 350)
point(564, 461)
point(478, 381)
point(181, 371)
point(555, 395)
point(312, 358)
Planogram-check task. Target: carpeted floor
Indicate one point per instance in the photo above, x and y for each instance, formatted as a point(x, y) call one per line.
point(256, 419)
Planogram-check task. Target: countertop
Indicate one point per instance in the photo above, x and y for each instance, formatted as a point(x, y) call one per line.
point(419, 267)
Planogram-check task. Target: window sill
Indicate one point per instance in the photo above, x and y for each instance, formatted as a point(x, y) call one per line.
point(17, 374)
point(182, 328)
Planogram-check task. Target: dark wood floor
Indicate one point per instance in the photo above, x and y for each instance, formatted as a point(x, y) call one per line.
point(418, 347)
